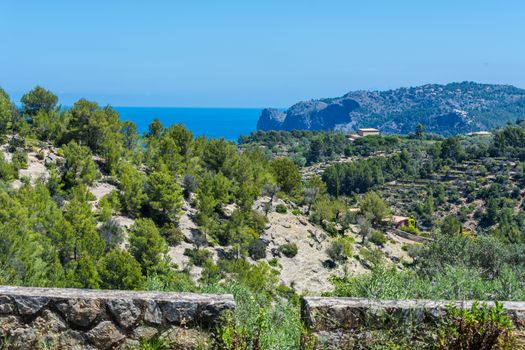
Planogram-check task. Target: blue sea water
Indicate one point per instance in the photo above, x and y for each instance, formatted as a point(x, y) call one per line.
point(229, 123)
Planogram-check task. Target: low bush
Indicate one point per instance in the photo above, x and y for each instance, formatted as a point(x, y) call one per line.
point(340, 249)
point(154, 343)
point(289, 249)
point(174, 235)
point(330, 228)
point(20, 159)
point(477, 328)
point(452, 283)
point(281, 208)
point(371, 257)
point(378, 238)
point(198, 256)
point(411, 227)
point(257, 249)
point(273, 262)
point(258, 323)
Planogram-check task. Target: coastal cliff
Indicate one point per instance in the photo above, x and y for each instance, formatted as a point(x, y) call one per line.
point(445, 109)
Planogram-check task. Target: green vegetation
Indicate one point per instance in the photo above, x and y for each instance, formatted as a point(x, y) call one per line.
point(464, 194)
point(451, 268)
point(340, 249)
point(289, 250)
point(378, 238)
point(281, 209)
point(478, 328)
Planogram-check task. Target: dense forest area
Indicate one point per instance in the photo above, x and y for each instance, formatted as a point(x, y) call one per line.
point(463, 194)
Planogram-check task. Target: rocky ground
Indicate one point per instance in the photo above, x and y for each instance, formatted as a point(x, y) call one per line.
point(305, 271)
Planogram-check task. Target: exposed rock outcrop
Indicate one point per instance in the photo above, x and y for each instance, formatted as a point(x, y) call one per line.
point(271, 119)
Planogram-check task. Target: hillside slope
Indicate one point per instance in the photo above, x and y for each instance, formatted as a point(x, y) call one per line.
point(445, 109)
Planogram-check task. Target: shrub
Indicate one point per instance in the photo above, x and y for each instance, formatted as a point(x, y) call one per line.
point(411, 227)
point(189, 184)
point(257, 249)
point(20, 159)
point(118, 269)
point(374, 207)
point(273, 262)
point(154, 343)
point(112, 233)
point(259, 322)
point(479, 328)
point(211, 273)
point(371, 257)
point(198, 256)
point(330, 228)
point(452, 283)
point(281, 209)
point(7, 172)
point(340, 249)
point(173, 235)
point(378, 238)
point(296, 212)
point(289, 249)
point(108, 205)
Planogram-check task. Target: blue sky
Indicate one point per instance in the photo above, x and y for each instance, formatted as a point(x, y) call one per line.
point(254, 53)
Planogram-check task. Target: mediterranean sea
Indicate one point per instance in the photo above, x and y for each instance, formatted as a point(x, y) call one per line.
point(229, 123)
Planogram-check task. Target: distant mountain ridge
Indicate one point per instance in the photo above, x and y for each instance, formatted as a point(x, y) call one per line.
point(445, 109)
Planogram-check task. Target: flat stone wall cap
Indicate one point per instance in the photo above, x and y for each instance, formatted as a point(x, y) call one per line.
point(314, 302)
point(71, 293)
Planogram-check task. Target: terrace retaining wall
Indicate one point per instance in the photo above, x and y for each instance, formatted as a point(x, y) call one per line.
point(410, 236)
point(332, 321)
point(53, 318)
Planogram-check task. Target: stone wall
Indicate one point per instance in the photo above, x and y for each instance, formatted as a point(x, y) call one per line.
point(89, 319)
point(334, 322)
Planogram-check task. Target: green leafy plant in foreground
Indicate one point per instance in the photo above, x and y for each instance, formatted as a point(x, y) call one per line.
point(260, 323)
point(153, 344)
point(479, 327)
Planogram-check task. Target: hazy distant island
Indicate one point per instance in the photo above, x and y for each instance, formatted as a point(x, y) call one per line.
point(444, 109)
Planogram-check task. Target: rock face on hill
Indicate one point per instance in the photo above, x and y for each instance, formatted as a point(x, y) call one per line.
point(270, 119)
point(445, 109)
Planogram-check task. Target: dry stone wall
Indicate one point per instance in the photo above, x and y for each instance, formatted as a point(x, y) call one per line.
point(52, 318)
point(333, 321)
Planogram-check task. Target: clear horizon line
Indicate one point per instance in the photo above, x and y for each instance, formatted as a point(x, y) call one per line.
point(194, 107)
point(18, 104)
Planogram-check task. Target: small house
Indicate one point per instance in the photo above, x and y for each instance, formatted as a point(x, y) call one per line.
point(367, 132)
point(399, 221)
